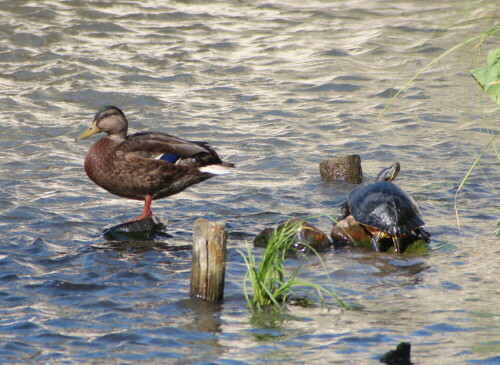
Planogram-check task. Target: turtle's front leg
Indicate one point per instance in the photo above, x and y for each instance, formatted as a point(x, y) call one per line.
point(375, 244)
point(423, 234)
point(397, 244)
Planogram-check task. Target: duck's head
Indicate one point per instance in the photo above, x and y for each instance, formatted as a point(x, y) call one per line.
point(110, 120)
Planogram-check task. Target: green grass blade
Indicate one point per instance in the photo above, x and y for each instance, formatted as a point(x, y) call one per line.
point(476, 161)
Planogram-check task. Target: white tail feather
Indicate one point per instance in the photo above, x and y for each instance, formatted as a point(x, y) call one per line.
point(216, 169)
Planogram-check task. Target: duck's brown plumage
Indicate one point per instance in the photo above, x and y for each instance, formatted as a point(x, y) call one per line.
point(128, 166)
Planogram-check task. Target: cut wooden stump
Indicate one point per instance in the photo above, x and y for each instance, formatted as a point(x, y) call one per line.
point(209, 261)
point(347, 168)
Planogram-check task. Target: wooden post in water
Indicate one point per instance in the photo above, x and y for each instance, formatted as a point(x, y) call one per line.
point(209, 261)
point(347, 168)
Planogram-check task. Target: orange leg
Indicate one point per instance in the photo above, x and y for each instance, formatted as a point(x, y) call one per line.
point(146, 212)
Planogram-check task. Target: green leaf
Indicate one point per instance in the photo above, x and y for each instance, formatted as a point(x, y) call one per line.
point(494, 57)
point(488, 77)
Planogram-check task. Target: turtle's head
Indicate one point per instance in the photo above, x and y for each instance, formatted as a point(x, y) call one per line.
point(389, 174)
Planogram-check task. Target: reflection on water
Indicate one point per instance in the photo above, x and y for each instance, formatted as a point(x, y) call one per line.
point(275, 88)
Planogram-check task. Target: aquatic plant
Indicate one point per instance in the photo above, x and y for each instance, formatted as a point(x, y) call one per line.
point(478, 40)
point(270, 282)
point(488, 77)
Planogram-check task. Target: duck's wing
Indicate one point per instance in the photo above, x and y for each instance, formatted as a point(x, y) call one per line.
point(172, 149)
point(156, 144)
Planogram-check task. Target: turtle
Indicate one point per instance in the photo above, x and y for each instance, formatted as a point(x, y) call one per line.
point(385, 210)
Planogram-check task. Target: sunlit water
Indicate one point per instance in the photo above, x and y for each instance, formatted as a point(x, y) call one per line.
point(275, 87)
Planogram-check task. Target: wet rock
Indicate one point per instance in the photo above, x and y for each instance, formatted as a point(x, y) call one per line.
point(144, 229)
point(263, 237)
point(346, 168)
point(307, 234)
point(400, 356)
point(349, 232)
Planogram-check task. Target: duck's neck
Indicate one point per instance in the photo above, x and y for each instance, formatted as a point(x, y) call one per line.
point(100, 158)
point(117, 137)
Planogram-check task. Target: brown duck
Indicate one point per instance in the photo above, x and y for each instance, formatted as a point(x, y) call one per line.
point(147, 165)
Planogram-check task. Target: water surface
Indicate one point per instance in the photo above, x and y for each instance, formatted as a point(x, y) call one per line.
point(275, 87)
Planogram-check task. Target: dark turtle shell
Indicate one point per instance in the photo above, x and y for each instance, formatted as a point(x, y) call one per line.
point(386, 207)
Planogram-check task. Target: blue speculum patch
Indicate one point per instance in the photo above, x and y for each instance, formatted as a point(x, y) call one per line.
point(169, 157)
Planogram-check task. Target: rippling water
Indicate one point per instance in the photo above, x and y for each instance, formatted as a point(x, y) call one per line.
point(275, 87)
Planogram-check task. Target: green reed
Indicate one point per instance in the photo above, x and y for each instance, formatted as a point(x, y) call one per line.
point(270, 282)
point(488, 79)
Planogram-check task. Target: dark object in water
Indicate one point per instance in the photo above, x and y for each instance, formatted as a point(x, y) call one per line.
point(138, 230)
point(346, 168)
point(385, 210)
point(400, 356)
